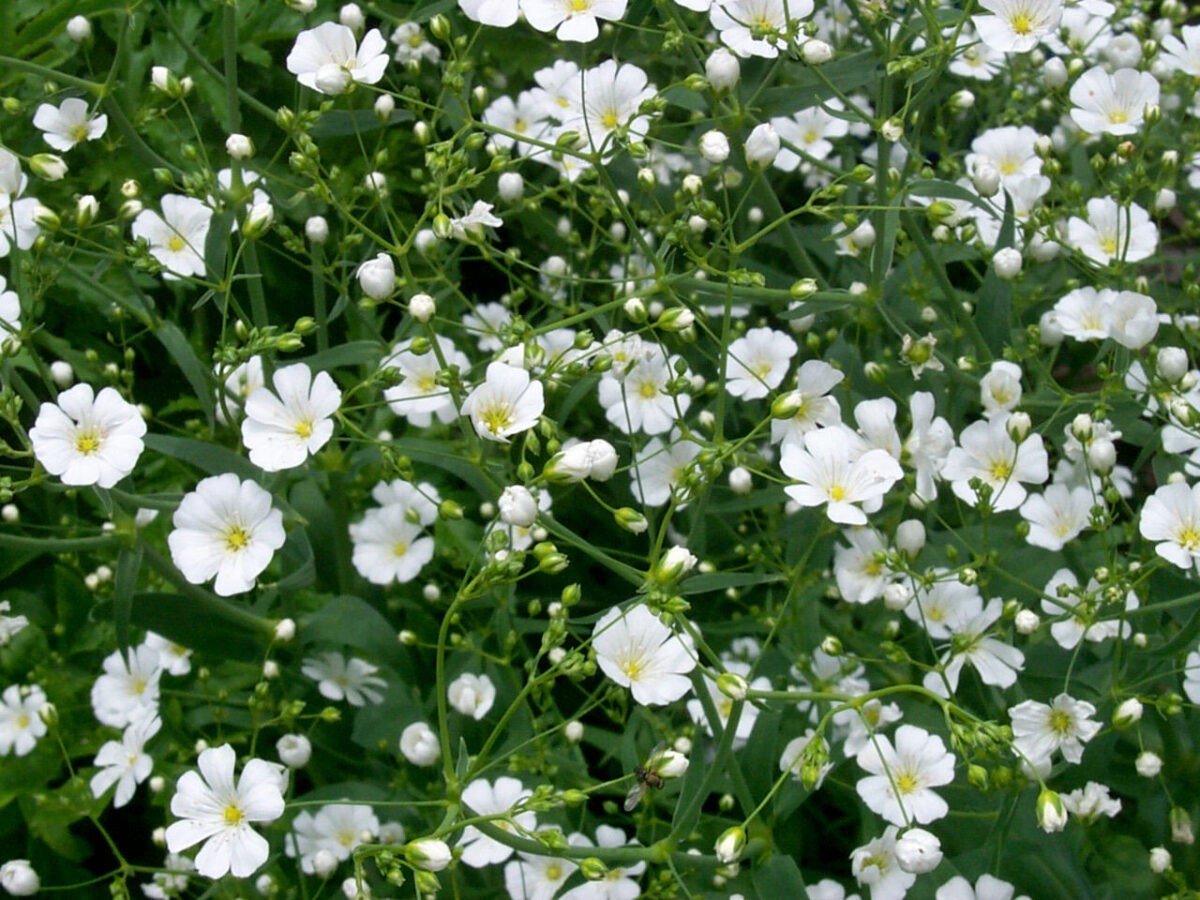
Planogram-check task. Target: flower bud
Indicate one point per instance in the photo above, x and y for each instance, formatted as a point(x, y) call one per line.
point(763, 145)
point(1054, 73)
point(676, 562)
point(730, 844)
point(377, 277)
point(1171, 364)
point(897, 596)
point(316, 229)
point(1160, 860)
point(422, 307)
point(164, 80)
point(1007, 263)
point(239, 146)
point(429, 854)
point(714, 146)
point(18, 878)
point(295, 750)
point(1027, 621)
point(1181, 826)
point(1051, 814)
point(918, 851)
point(79, 29)
point(740, 480)
point(573, 732)
point(511, 187)
point(285, 630)
point(732, 685)
point(815, 52)
point(332, 79)
point(419, 745)
point(1018, 426)
point(593, 869)
point(676, 319)
point(259, 220)
point(518, 507)
point(631, 520)
point(986, 179)
point(48, 166)
point(910, 537)
point(722, 70)
point(1102, 455)
point(62, 374)
point(670, 764)
point(87, 208)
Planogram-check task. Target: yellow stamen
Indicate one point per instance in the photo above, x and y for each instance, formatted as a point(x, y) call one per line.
point(237, 538)
point(234, 815)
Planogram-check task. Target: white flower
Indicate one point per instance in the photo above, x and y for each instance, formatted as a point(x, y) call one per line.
point(875, 865)
point(723, 703)
point(377, 276)
point(526, 117)
point(596, 460)
point(1091, 802)
point(572, 20)
point(763, 145)
point(238, 383)
point(977, 59)
point(412, 45)
point(1040, 729)
point(19, 879)
point(1183, 55)
point(1016, 26)
point(659, 468)
point(225, 529)
point(352, 680)
point(389, 547)
point(295, 750)
point(282, 431)
point(484, 798)
point(518, 506)
point(10, 625)
point(419, 745)
point(900, 780)
point(335, 829)
point(175, 659)
point(814, 408)
point(988, 453)
point(10, 319)
point(621, 881)
point(497, 13)
point(861, 576)
point(758, 27)
point(996, 662)
point(87, 438)
point(1057, 516)
point(1000, 388)
point(758, 363)
point(927, 445)
point(177, 237)
point(605, 98)
point(636, 650)
point(811, 130)
point(1171, 518)
point(1112, 104)
point(418, 397)
point(506, 403)
point(472, 695)
point(918, 851)
point(945, 606)
point(833, 473)
point(329, 60)
point(125, 763)
point(536, 877)
point(20, 719)
point(638, 399)
point(986, 888)
point(1113, 232)
point(472, 225)
point(793, 757)
point(128, 690)
point(68, 124)
point(213, 809)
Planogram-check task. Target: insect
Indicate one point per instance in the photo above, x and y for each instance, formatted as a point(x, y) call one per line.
point(645, 777)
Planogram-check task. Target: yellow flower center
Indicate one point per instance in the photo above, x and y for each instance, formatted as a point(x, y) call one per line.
point(175, 243)
point(811, 136)
point(497, 418)
point(1001, 470)
point(578, 6)
point(426, 384)
point(648, 389)
point(304, 428)
point(632, 668)
point(23, 721)
point(416, 40)
point(399, 549)
point(79, 133)
point(1021, 23)
point(609, 119)
point(234, 815)
point(553, 872)
point(237, 538)
point(1189, 538)
point(139, 686)
point(1060, 721)
point(906, 782)
point(837, 493)
point(1118, 117)
point(1109, 246)
point(346, 839)
point(88, 441)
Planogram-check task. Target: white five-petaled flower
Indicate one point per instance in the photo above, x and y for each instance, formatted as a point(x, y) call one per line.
point(21, 722)
point(1113, 103)
point(987, 452)
point(605, 98)
point(88, 438)
point(68, 124)
point(1113, 232)
point(1171, 518)
point(506, 403)
point(484, 798)
point(225, 529)
point(419, 397)
point(389, 547)
point(282, 431)
point(758, 363)
point(659, 468)
point(1040, 729)
point(834, 472)
point(636, 650)
point(758, 27)
point(125, 763)
point(1016, 26)
point(328, 59)
point(336, 829)
point(814, 408)
point(214, 809)
point(996, 662)
point(1057, 516)
point(874, 864)
point(572, 20)
point(1085, 612)
point(176, 237)
point(900, 780)
point(128, 690)
point(353, 680)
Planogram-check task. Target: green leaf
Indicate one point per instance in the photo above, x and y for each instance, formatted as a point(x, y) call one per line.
point(780, 877)
point(208, 458)
point(434, 453)
point(845, 74)
point(719, 581)
point(129, 563)
point(935, 187)
point(224, 631)
point(196, 373)
point(355, 353)
point(346, 122)
point(216, 245)
point(353, 622)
